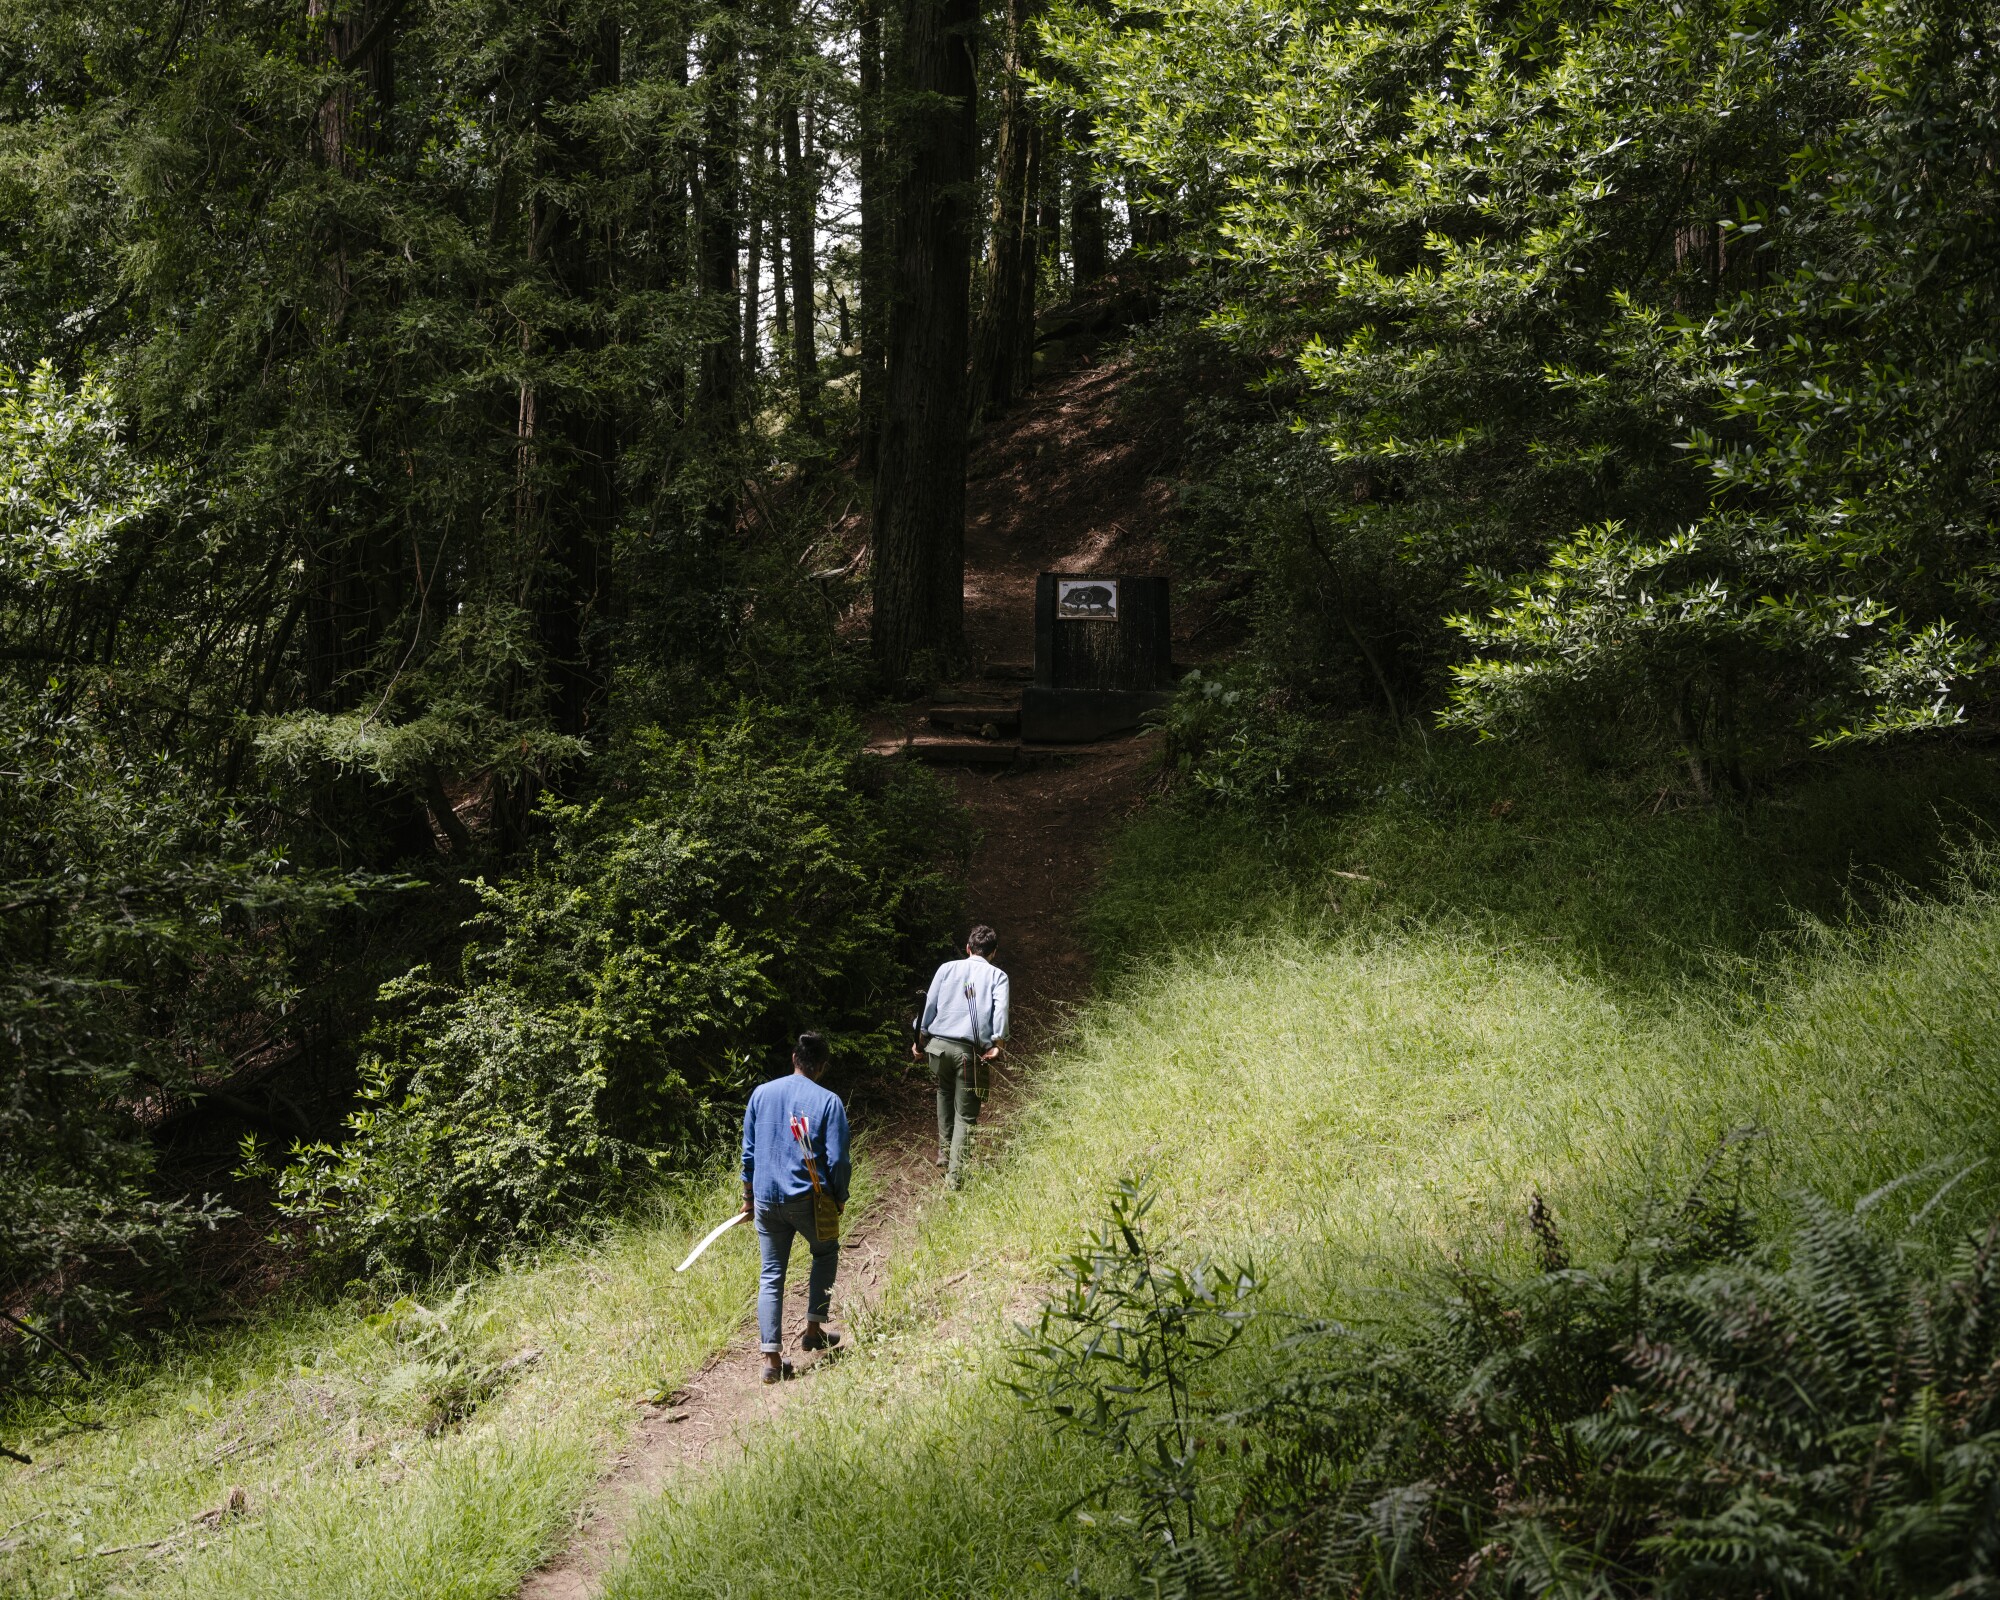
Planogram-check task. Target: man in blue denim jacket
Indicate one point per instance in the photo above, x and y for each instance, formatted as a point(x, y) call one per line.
point(778, 1193)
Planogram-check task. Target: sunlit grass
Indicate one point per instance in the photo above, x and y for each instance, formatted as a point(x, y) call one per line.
point(437, 1446)
point(1352, 1081)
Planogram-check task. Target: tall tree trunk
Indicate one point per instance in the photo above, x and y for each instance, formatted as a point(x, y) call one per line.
point(674, 220)
point(719, 235)
point(576, 490)
point(1028, 282)
point(781, 291)
point(1049, 201)
point(357, 38)
point(753, 269)
point(802, 197)
point(1152, 223)
point(356, 567)
point(919, 578)
point(1087, 252)
point(1010, 262)
point(873, 275)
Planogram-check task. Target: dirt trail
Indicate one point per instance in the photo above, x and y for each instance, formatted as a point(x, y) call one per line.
point(1065, 483)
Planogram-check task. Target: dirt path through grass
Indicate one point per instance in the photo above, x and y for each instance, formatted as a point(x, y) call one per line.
point(1063, 484)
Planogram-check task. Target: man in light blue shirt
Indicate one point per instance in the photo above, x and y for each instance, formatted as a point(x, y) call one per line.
point(964, 1022)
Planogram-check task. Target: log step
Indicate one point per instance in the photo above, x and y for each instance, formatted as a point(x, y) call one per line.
point(939, 751)
point(975, 719)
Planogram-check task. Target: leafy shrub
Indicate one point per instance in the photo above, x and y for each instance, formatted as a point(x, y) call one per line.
point(140, 925)
point(1232, 741)
point(1131, 1334)
point(618, 995)
point(1603, 351)
point(1708, 1414)
point(1711, 1413)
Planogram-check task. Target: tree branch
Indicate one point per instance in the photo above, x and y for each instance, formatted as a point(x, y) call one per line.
point(51, 1341)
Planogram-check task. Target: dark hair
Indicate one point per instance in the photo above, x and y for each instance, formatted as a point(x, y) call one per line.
point(982, 941)
point(811, 1050)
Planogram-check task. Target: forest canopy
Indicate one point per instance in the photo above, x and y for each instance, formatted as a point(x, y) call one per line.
point(1614, 358)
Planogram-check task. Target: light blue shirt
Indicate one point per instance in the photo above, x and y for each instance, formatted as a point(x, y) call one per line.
point(968, 1000)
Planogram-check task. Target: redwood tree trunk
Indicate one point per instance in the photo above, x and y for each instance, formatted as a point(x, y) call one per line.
point(873, 275)
point(1087, 251)
point(576, 495)
point(919, 622)
point(1011, 259)
point(801, 196)
point(355, 567)
point(753, 271)
point(718, 232)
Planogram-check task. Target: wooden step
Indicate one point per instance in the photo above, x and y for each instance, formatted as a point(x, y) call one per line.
point(941, 751)
point(975, 718)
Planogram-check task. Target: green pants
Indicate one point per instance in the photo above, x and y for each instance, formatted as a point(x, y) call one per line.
point(961, 1075)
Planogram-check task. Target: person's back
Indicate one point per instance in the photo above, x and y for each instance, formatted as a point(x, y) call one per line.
point(964, 1020)
point(780, 1163)
point(793, 1132)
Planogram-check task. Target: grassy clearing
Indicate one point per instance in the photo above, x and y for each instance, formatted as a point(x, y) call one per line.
point(436, 1448)
point(1352, 1077)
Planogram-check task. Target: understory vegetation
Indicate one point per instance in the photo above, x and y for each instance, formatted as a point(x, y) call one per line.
point(1625, 366)
point(624, 989)
point(1379, 1072)
point(471, 473)
point(434, 1440)
point(1376, 1065)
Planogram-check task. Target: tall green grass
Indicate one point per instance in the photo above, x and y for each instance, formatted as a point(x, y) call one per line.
point(1354, 1079)
point(435, 1446)
point(1349, 1046)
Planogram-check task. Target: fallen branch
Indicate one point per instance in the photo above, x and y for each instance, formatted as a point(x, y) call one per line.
point(50, 1340)
point(127, 1549)
point(232, 1507)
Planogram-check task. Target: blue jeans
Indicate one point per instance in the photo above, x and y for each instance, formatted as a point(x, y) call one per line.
point(775, 1227)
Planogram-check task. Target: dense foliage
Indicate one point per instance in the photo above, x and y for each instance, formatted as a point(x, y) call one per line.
point(1710, 1412)
point(1647, 349)
point(418, 422)
point(623, 990)
point(1707, 1414)
point(147, 926)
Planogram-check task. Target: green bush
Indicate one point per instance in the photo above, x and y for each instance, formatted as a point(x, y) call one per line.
point(1234, 741)
point(144, 929)
point(1709, 1413)
point(619, 995)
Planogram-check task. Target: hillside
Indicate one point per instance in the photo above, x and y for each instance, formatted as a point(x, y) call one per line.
point(479, 1425)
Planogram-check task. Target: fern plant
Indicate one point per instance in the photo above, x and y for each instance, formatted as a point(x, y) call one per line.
point(1718, 1410)
point(1712, 1413)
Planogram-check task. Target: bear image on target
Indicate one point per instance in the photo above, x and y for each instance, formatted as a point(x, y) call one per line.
point(1086, 599)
